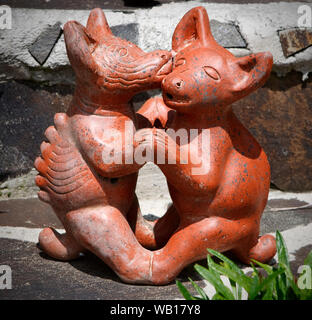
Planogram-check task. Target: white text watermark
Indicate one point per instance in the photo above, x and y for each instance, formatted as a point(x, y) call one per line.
point(5, 277)
point(159, 146)
point(305, 278)
point(305, 16)
point(5, 17)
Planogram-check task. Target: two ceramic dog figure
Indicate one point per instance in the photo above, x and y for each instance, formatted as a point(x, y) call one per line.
point(219, 207)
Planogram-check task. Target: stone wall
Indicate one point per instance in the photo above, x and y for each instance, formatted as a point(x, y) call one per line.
point(37, 81)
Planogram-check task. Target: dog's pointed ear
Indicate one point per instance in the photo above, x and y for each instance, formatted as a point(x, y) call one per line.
point(97, 25)
point(78, 47)
point(194, 28)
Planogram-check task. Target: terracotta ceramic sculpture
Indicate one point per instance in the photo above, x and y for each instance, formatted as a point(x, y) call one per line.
point(218, 206)
point(221, 207)
point(109, 72)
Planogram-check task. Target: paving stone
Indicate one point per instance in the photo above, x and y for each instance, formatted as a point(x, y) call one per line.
point(128, 31)
point(284, 220)
point(295, 40)
point(227, 35)
point(37, 276)
point(30, 213)
point(44, 44)
point(33, 213)
point(285, 203)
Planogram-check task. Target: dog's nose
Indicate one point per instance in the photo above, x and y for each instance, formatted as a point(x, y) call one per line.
point(178, 83)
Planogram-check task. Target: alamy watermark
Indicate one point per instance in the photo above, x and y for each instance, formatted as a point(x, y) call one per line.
point(5, 17)
point(305, 278)
point(305, 16)
point(159, 146)
point(5, 277)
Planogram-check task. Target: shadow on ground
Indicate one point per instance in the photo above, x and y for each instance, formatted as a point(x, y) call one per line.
point(37, 276)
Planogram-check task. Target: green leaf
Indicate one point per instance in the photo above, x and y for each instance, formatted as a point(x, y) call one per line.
point(226, 260)
point(217, 275)
point(266, 267)
point(239, 291)
point(237, 276)
point(217, 296)
point(291, 294)
point(269, 292)
point(282, 251)
point(263, 284)
point(200, 291)
point(184, 291)
point(306, 294)
point(236, 288)
point(210, 263)
point(281, 288)
point(253, 291)
point(244, 281)
point(290, 278)
point(269, 270)
point(287, 271)
point(308, 260)
point(217, 283)
point(256, 272)
point(278, 285)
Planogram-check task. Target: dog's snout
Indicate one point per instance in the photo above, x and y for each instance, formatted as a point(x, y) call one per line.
point(178, 83)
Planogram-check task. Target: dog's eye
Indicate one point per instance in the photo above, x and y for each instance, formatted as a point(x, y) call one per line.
point(212, 73)
point(180, 62)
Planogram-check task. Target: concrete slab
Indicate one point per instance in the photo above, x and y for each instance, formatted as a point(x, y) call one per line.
point(154, 199)
point(29, 213)
point(36, 276)
point(258, 23)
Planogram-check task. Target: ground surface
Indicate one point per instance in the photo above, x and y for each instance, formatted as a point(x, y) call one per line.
point(22, 216)
point(36, 276)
